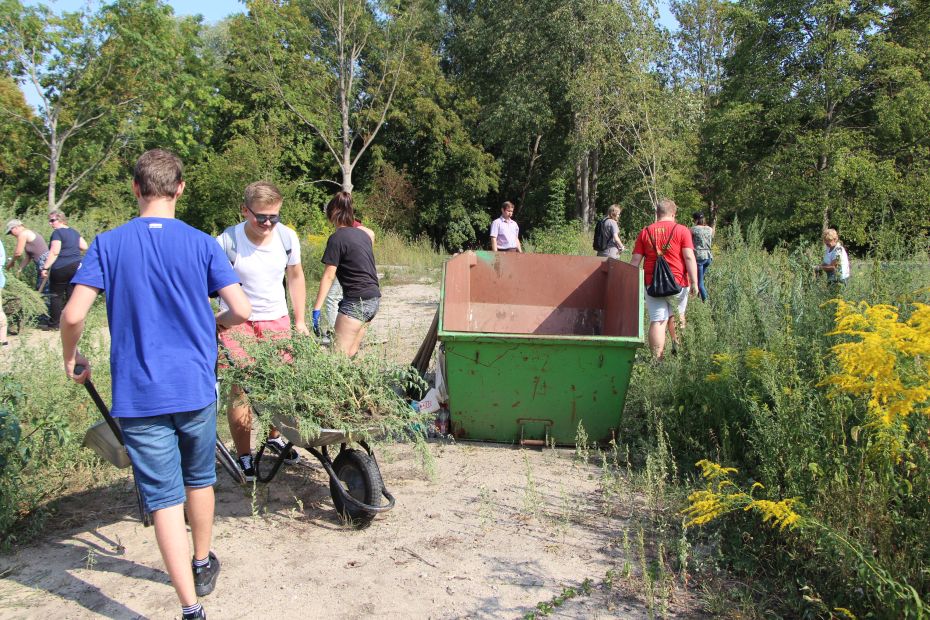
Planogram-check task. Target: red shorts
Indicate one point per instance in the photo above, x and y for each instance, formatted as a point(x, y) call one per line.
point(274, 330)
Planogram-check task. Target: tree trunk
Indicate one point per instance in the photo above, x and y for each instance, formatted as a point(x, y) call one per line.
point(534, 156)
point(54, 155)
point(582, 189)
point(592, 195)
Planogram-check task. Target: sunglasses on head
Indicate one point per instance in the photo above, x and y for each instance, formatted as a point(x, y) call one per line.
point(263, 218)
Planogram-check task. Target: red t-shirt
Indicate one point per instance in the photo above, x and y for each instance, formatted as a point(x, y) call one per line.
point(660, 231)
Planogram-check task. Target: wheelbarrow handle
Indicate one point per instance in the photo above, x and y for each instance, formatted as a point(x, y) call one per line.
point(102, 406)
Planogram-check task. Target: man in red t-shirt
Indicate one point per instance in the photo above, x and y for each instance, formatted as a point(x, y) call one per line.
point(681, 260)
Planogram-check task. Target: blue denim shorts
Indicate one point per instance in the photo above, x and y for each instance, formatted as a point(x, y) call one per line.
point(170, 452)
point(363, 310)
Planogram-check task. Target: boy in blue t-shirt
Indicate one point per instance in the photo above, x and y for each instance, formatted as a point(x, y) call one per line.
point(157, 273)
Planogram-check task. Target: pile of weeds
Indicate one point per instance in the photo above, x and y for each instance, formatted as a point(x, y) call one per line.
point(320, 389)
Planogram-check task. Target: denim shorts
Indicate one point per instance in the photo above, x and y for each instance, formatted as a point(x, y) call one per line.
point(170, 452)
point(363, 310)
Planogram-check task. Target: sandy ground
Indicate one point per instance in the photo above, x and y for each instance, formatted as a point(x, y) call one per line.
point(497, 531)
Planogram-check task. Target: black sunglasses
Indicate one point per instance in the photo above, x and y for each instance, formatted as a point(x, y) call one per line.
point(262, 218)
point(52, 220)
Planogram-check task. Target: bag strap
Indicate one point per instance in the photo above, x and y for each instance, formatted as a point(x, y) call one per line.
point(229, 242)
point(668, 242)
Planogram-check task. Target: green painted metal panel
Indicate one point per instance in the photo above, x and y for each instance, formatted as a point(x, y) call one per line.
point(513, 387)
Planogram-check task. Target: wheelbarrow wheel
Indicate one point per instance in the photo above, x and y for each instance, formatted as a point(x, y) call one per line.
point(357, 473)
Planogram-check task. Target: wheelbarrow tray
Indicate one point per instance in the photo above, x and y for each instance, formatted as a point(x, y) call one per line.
point(355, 482)
point(288, 427)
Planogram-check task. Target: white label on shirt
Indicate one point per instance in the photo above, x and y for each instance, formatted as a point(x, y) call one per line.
point(155, 225)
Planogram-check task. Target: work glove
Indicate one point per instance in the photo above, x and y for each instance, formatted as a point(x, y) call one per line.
point(316, 322)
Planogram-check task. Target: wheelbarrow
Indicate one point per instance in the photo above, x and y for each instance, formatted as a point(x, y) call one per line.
point(355, 482)
point(106, 439)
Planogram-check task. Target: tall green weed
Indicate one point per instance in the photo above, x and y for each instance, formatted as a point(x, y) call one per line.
point(746, 389)
point(43, 417)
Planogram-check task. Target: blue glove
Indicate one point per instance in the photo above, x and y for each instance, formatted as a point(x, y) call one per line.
point(316, 322)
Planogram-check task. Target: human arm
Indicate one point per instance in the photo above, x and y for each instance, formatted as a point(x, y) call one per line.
point(54, 249)
point(18, 251)
point(636, 260)
point(326, 282)
point(297, 287)
point(72, 326)
point(691, 266)
point(494, 244)
point(238, 308)
point(617, 242)
point(494, 231)
point(82, 244)
point(369, 232)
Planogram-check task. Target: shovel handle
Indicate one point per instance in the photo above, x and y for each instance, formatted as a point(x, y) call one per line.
point(102, 406)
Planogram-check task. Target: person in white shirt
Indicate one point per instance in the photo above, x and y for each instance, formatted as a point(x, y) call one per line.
point(835, 260)
point(263, 252)
point(505, 233)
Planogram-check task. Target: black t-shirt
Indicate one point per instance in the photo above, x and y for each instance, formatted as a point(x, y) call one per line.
point(70, 247)
point(349, 249)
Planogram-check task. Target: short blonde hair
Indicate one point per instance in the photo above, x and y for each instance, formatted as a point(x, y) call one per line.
point(58, 215)
point(830, 234)
point(262, 194)
point(665, 207)
point(613, 210)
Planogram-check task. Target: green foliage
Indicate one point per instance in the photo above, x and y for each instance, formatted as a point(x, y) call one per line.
point(746, 389)
point(297, 377)
point(42, 420)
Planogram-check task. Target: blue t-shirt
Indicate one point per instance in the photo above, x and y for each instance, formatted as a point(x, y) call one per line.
point(70, 246)
point(157, 274)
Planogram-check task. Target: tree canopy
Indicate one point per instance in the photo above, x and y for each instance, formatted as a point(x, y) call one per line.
point(808, 114)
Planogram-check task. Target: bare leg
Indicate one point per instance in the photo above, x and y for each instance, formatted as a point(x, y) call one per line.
point(171, 535)
point(349, 334)
point(657, 337)
point(200, 507)
point(239, 415)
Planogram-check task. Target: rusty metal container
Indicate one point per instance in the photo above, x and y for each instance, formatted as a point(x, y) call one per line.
point(537, 343)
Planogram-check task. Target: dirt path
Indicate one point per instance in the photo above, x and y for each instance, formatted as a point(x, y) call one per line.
point(497, 531)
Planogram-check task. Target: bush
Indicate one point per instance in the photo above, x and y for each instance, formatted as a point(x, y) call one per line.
point(751, 388)
point(43, 417)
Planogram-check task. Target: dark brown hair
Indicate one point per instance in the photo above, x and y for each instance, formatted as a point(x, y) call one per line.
point(339, 211)
point(158, 174)
point(507, 205)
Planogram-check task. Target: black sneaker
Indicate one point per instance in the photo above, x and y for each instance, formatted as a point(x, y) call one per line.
point(198, 615)
point(277, 445)
point(247, 467)
point(205, 576)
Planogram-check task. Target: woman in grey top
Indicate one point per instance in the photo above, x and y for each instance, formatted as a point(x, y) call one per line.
point(29, 245)
point(703, 236)
point(611, 224)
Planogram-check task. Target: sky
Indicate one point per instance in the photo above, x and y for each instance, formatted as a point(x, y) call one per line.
point(212, 10)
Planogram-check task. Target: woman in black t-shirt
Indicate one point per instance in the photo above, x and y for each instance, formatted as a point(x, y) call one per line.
point(348, 257)
point(64, 257)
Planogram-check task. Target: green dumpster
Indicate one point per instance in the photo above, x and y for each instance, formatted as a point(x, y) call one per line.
point(537, 343)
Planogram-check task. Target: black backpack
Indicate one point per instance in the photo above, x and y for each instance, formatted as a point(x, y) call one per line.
point(602, 236)
point(663, 280)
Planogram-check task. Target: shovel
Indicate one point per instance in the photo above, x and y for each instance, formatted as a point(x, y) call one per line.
point(106, 439)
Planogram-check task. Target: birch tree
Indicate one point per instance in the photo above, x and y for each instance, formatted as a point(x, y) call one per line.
point(80, 82)
point(336, 65)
